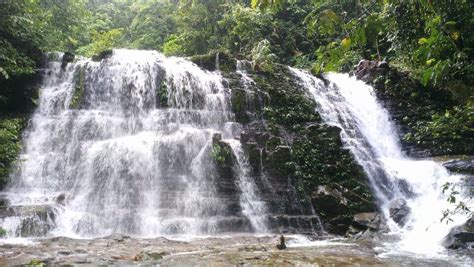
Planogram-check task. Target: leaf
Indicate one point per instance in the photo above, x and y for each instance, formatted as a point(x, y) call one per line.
point(346, 43)
point(426, 76)
point(422, 41)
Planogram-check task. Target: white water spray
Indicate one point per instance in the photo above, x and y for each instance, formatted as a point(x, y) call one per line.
point(134, 156)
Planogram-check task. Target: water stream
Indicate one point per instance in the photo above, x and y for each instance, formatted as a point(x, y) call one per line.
point(372, 138)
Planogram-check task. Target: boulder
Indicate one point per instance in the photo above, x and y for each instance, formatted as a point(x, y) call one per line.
point(460, 165)
point(367, 70)
point(399, 211)
point(60, 199)
point(365, 222)
point(67, 58)
point(329, 202)
point(461, 237)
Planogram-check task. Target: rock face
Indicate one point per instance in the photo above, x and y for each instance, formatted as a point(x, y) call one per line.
point(399, 211)
point(67, 58)
point(461, 237)
point(368, 70)
point(103, 55)
point(460, 165)
point(308, 180)
point(34, 221)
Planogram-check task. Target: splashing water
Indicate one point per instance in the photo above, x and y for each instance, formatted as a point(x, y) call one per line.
point(372, 138)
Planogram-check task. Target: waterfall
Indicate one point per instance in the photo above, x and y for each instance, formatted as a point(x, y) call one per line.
point(124, 146)
point(252, 207)
point(372, 138)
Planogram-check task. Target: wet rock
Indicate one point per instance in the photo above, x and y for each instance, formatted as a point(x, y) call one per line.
point(216, 137)
point(366, 220)
point(329, 201)
point(399, 211)
point(67, 58)
point(366, 225)
point(460, 165)
point(149, 256)
point(80, 251)
point(35, 220)
point(4, 202)
point(368, 70)
point(64, 252)
point(282, 244)
point(103, 55)
point(279, 157)
point(461, 237)
point(118, 237)
point(61, 199)
point(262, 138)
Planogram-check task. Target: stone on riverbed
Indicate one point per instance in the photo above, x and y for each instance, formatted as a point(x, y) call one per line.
point(399, 211)
point(461, 237)
point(460, 165)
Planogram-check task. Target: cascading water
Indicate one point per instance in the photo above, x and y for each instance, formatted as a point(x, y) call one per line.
point(252, 206)
point(124, 146)
point(372, 138)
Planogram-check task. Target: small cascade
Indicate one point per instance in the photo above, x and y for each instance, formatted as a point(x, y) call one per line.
point(372, 138)
point(252, 207)
point(124, 146)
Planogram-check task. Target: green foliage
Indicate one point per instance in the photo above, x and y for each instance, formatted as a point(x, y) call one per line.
point(460, 201)
point(77, 96)
point(454, 124)
point(36, 262)
point(219, 153)
point(10, 137)
point(101, 42)
point(319, 160)
point(152, 25)
point(263, 57)
point(3, 232)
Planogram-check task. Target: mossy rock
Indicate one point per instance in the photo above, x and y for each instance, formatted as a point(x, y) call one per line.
point(103, 55)
point(226, 62)
point(78, 95)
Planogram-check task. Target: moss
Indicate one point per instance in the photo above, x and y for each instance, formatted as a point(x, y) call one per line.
point(288, 105)
point(162, 95)
point(319, 159)
point(429, 118)
point(3, 232)
point(35, 262)
point(10, 145)
point(77, 97)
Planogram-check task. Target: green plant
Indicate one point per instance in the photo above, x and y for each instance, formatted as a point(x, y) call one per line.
point(36, 262)
point(219, 153)
point(460, 200)
point(3, 232)
point(10, 138)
